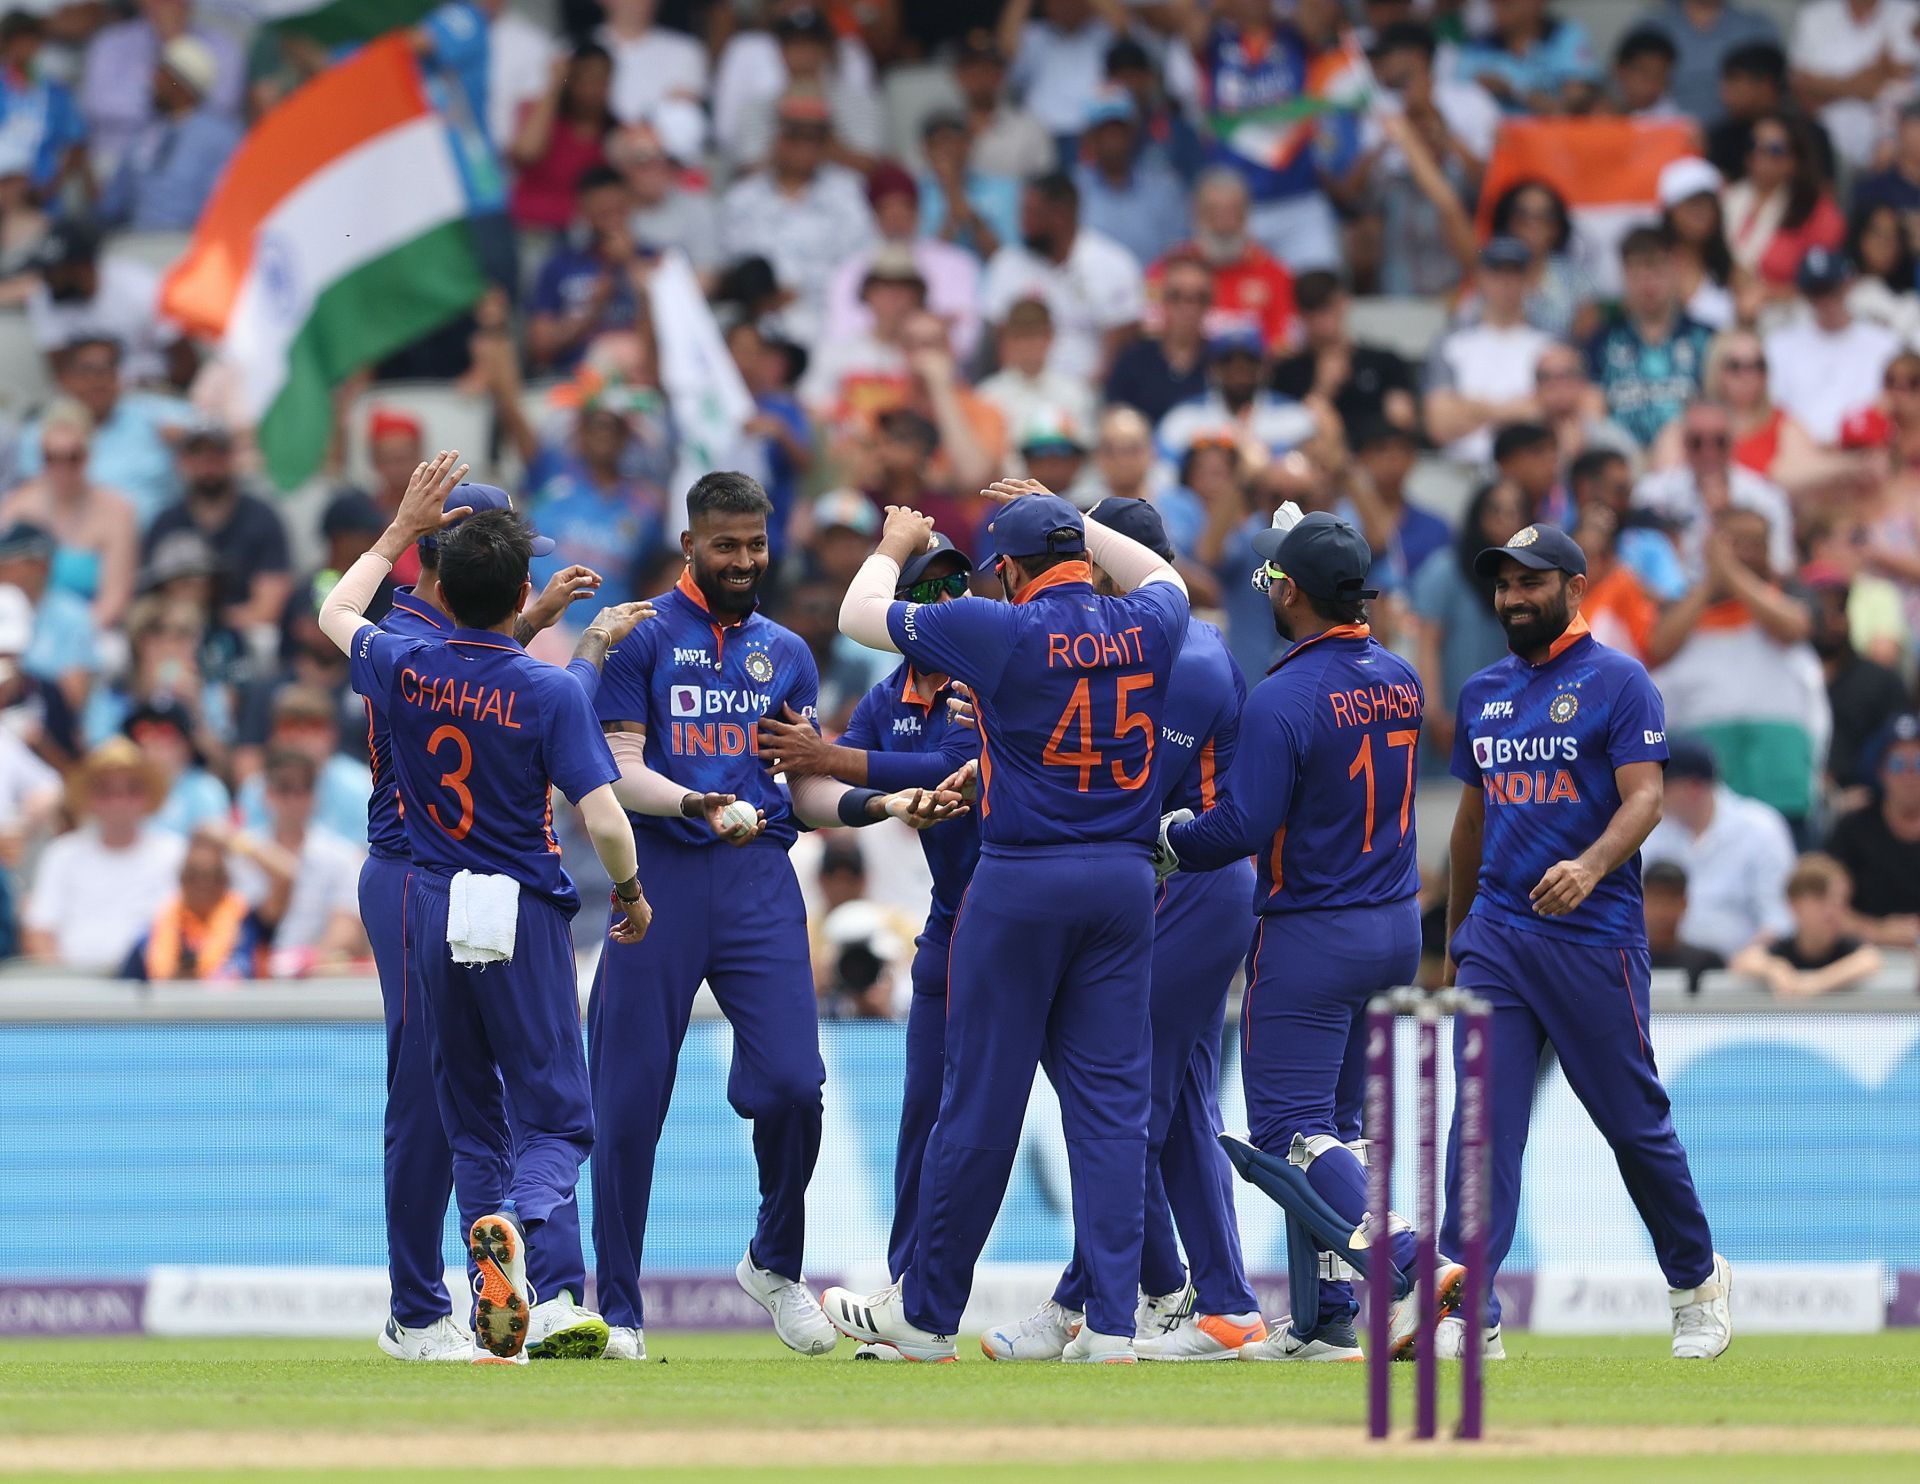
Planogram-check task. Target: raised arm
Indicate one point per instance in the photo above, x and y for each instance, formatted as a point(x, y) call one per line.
point(863, 612)
point(343, 615)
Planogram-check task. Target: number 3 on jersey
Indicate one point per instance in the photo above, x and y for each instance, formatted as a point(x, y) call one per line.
point(1362, 766)
point(455, 780)
point(1087, 757)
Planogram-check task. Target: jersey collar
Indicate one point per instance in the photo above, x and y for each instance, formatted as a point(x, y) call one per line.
point(909, 696)
point(1576, 631)
point(484, 639)
point(1065, 574)
point(1338, 631)
point(690, 590)
point(419, 607)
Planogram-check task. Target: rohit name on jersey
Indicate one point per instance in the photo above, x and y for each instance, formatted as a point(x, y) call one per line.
point(1527, 769)
point(701, 728)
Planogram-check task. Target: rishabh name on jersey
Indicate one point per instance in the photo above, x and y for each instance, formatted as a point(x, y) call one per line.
point(1542, 742)
point(481, 734)
point(700, 687)
point(411, 617)
point(1068, 690)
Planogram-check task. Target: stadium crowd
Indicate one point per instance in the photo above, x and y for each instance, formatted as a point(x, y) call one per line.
point(1119, 246)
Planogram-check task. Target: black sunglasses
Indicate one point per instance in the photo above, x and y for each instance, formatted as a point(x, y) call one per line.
point(928, 589)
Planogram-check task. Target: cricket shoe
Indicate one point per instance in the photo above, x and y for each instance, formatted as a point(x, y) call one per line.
point(1042, 1335)
point(1203, 1337)
point(624, 1342)
point(877, 1352)
point(1403, 1315)
point(1334, 1341)
point(444, 1339)
point(796, 1312)
point(1450, 1340)
point(1090, 1347)
point(1703, 1316)
point(881, 1319)
point(1162, 1314)
point(559, 1329)
point(487, 1357)
point(499, 1252)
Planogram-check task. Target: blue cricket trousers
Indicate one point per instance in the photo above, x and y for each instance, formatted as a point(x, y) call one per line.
point(1590, 1004)
point(419, 1168)
point(1199, 938)
point(1052, 954)
point(1303, 1059)
point(732, 916)
point(510, 1075)
point(920, 1096)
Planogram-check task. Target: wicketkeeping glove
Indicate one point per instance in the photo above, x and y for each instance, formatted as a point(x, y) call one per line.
point(1165, 861)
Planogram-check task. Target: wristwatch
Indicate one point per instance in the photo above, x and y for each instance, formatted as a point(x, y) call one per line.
point(621, 898)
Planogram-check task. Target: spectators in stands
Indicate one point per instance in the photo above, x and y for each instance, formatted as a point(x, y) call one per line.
point(1881, 251)
point(131, 449)
point(653, 68)
point(1402, 535)
point(1560, 294)
point(1767, 439)
point(1090, 283)
point(1850, 59)
point(807, 58)
point(314, 919)
point(1532, 61)
point(1688, 497)
point(116, 93)
point(1025, 384)
point(592, 288)
point(1482, 374)
point(247, 535)
point(42, 122)
point(1647, 359)
point(173, 163)
point(1863, 695)
point(559, 137)
point(670, 209)
point(1155, 373)
point(1126, 193)
point(82, 296)
point(1780, 206)
point(1238, 404)
point(1643, 64)
point(1879, 842)
point(959, 203)
point(1007, 141)
point(1663, 887)
point(63, 647)
point(306, 720)
point(1704, 34)
point(1819, 956)
point(949, 275)
point(96, 533)
point(1703, 267)
point(207, 930)
point(163, 729)
point(1365, 383)
point(1736, 851)
point(1249, 283)
point(1898, 184)
point(1617, 606)
point(1827, 364)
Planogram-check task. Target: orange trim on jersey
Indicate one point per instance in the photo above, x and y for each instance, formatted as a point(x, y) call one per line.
point(986, 766)
point(910, 695)
point(1054, 577)
point(426, 611)
point(487, 644)
point(1207, 765)
point(1576, 631)
point(690, 590)
point(372, 761)
point(553, 845)
point(1273, 860)
point(1338, 631)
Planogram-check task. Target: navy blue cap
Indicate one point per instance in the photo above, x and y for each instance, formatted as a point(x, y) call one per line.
point(916, 567)
point(1138, 521)
point(484, 497)
point(1822, 272)
point(1322, 555)
point(1543, 548)
point(1038, 524)
point(1236, 339)
point(1506, 252)
point(1688, 757)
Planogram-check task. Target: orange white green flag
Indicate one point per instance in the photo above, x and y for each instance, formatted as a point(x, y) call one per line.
point(337, 236)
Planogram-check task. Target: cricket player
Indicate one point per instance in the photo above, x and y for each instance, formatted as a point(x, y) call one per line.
point(681, 704)
point(1321, 794)
point(1561, 748)
point(419, 1168)
point(1053, 943)
point(479, 734)
point(1199, 943)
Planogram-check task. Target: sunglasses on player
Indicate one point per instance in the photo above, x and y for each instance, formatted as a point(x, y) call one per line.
point(1265, 576)
point(928, 589)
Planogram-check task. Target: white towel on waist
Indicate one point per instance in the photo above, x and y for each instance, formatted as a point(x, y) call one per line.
point(483, 915)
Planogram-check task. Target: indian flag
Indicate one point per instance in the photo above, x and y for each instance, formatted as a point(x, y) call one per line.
point(341, 22)
point(337, 236)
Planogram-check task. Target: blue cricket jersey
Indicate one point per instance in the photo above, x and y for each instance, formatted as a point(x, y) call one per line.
point(1201, 723)
point(700, 687)
point(1321, 787)
point(912, 743)
point(1542, 742)
point(1068, 689)
point(480, 734)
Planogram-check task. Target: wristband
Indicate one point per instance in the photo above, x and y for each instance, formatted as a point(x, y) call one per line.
point(853, 807)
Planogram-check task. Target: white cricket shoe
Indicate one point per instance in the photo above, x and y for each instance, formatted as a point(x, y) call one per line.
point(1403, 1316)
point(1450, 1340)
point(1042, 1335)
point(624, 1342)
point(445, 1339)
point(796, 1312)
point(1090, 1347)
point(881, 1319)
point(559, 1329)
point(1331, 1342)
point(877, 1352)
point(1203, 1337)
point(499, 1253)
point(1162, 1314)
point(1703, 1316)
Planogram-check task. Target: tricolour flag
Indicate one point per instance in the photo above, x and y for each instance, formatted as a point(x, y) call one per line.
point(337, 236)
point(341, 22)
point(1607, 170)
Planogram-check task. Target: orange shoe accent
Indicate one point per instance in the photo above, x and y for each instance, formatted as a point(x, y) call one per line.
point(1448, 1287)
point(494, 1360)
point(1229, 1335)
point(499, 1314)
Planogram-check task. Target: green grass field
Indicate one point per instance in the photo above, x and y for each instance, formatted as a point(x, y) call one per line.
point(719, 1407)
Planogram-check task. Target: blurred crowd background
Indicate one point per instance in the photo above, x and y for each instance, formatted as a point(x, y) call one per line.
point(1410, 260)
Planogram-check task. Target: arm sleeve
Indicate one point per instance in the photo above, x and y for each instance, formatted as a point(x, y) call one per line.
point(344, 614)
point(1258, 790)
point(892, 771)
point(588, 674)
point(1130, 564)
point(865, 611)
point(817, 801)
point(1637, 725)
point(968, 638)
point(578, 758)
point(638, 787)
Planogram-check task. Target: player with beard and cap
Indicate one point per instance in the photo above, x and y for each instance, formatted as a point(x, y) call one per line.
point(903, 734)
point(680, 702)
point(1562, 747)
point(1199, 943)
point(1321, 795)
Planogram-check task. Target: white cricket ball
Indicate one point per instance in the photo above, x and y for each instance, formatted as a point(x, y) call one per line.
point(739, 817)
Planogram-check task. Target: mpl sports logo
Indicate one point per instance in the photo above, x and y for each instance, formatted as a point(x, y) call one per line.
point(693, 657)
point(906, 726)
point(1497, 711)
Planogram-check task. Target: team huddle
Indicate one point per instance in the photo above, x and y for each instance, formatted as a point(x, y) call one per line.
point(1114, 824)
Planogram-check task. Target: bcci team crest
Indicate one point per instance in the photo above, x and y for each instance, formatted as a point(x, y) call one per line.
point(759, 667)
point(1563, 707)
point(1525, 536)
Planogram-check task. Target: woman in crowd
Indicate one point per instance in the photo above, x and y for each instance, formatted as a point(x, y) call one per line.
point(164, 728)
point(562, 135)
point(1561, 297)
point(1882, 256)
point(1766, 439)
point(165, 668)
point(96, 533)
point(1690, 211)
point(1782, 208)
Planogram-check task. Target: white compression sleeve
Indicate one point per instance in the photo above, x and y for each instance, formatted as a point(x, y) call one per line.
point(611, 833)
point(863, 612)
point(1127, 562)
point(639, 788)
point(343, 615)
point(817, 801)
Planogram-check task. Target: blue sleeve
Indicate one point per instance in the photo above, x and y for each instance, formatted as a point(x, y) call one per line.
point(892, 771)
point(1258, 791)
point(968, 638)
point(588, 674)
point(371, 663)
point(1464, 765)
point(1167, 602)
point(1637, 721)
point(622, 694)
point(803, 689)
point(578, 758)
point(863, 729)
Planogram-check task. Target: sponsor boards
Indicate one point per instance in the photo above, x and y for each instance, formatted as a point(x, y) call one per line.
point(69, 1308)
point(1768, 1298)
